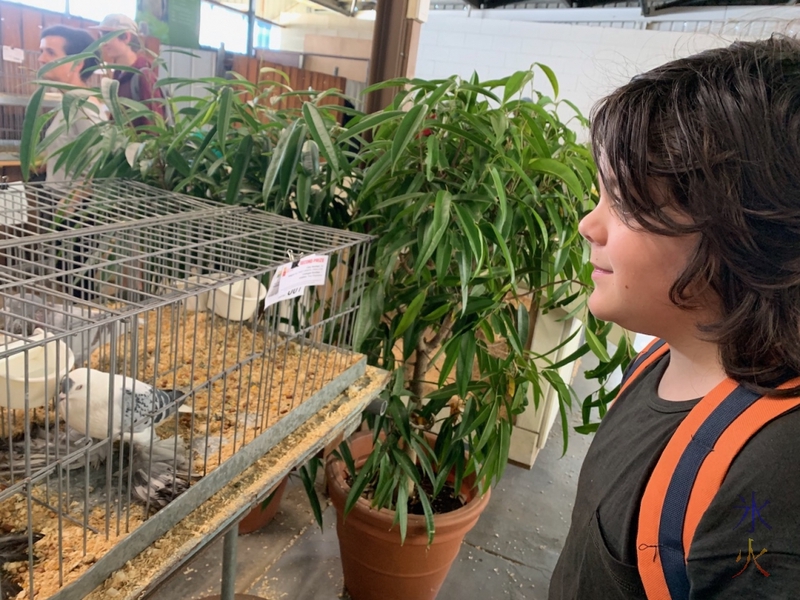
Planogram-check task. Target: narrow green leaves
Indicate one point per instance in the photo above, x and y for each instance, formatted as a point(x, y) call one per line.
point(551, 77)
point(560, 170)
point(275, 162)
point(515, 83)
point(408, 129)
point(319, 133)
point(31, 128)
point(411, 313)
point(240, 163)
point(436, 228)
point(224, 115)
point(110, 91)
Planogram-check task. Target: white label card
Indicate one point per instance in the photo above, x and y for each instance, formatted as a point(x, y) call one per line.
point(291, 279)
point(15, 55)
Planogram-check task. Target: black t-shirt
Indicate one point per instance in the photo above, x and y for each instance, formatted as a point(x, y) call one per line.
point(757, 507)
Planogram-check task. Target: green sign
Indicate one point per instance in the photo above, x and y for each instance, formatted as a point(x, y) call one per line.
point(174, 22)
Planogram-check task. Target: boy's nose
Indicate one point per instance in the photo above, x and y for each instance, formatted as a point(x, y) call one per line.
point(590, 226)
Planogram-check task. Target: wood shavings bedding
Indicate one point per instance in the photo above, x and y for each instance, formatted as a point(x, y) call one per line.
point(240, 383)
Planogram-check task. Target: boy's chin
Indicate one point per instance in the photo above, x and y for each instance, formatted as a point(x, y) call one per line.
point(601, 309)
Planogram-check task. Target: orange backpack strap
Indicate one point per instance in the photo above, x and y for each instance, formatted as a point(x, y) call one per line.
point(689, 474)
point(651, 353)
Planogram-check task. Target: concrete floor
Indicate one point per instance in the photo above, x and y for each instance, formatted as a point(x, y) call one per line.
point(510, 553)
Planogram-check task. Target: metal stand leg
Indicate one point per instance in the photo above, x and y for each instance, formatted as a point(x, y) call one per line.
point(228, 587)
point(229, 564)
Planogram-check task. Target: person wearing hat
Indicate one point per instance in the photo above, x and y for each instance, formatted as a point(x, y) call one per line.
point(125, 50)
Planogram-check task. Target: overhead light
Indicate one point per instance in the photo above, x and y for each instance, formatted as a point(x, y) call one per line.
point(366, 15)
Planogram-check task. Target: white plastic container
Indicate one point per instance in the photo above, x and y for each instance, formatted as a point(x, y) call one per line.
point(43, 373)
point(238, 301)
point(201, 300)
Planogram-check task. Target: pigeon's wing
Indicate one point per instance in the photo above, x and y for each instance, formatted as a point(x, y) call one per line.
point(144, 405)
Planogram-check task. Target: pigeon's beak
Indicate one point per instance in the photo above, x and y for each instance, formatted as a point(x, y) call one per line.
point(62, 396)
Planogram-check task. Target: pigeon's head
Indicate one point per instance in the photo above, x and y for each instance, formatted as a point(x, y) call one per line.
point(73, 385)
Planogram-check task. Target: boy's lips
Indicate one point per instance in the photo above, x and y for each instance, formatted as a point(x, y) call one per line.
point(600, 270)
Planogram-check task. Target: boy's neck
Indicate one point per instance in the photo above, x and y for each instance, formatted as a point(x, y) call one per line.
point(694, 370)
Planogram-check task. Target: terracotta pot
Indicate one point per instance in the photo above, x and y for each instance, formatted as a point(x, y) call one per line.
point(260, 517)
point(375, 565)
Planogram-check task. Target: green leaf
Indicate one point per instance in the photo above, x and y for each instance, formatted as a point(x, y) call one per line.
point(224, 115)
point(437, 313)
point(551, 166)
point(466, 356)
point(240, 164)
point(432, 156)
point(505, 251)
point(401, 515)
point(489, 428)
point(275, 162)
point(550, 76)
point(465, 274)
point(347, 457)
point(423, 452)
point(407, 130)
point(288, 169)
point(308, 476)
point(451, 349)
point(438, 227)
point(30, 133)
point(319, 132)
point(501, 197)
point(467, 224)
point(355, 127)
point(427, 510)
point(110, 92)
point(303, 195)
point(596, 346)
point(175, 160)
point(412, 312)
point(515, 83)
point(362, 479)
point(444, 254)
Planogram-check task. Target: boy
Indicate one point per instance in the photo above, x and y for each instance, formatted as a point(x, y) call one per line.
point(696, 240)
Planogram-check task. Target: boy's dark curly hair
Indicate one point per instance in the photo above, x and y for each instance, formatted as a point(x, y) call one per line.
point(717, 137)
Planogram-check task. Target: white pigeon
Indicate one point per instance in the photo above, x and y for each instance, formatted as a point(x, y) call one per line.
point(136, 405)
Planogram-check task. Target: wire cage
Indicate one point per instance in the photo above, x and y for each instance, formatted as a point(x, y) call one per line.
point(140, 352)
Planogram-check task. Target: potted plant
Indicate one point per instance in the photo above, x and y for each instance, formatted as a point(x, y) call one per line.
point(474, 195)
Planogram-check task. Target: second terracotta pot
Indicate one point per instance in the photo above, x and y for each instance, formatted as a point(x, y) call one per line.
point(260, 516)
point(375, 565)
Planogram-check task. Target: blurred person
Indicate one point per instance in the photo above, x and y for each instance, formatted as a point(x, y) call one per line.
point(57, 43)
point(126, 50)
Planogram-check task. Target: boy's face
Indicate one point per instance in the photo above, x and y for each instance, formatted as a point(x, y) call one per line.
point(634, 271)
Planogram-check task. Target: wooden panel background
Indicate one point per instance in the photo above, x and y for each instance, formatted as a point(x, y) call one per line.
point(299, 79)
point(21, 27)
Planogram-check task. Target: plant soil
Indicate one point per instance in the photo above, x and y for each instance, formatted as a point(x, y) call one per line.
point(447, 500)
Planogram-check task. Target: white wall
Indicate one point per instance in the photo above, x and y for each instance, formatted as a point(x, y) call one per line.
point(589, 61)
point(298, 25)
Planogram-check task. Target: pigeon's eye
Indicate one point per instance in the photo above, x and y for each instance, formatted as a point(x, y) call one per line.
point(79, 387)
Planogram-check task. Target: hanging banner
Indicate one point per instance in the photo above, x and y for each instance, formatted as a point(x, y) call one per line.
point(174, 22)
